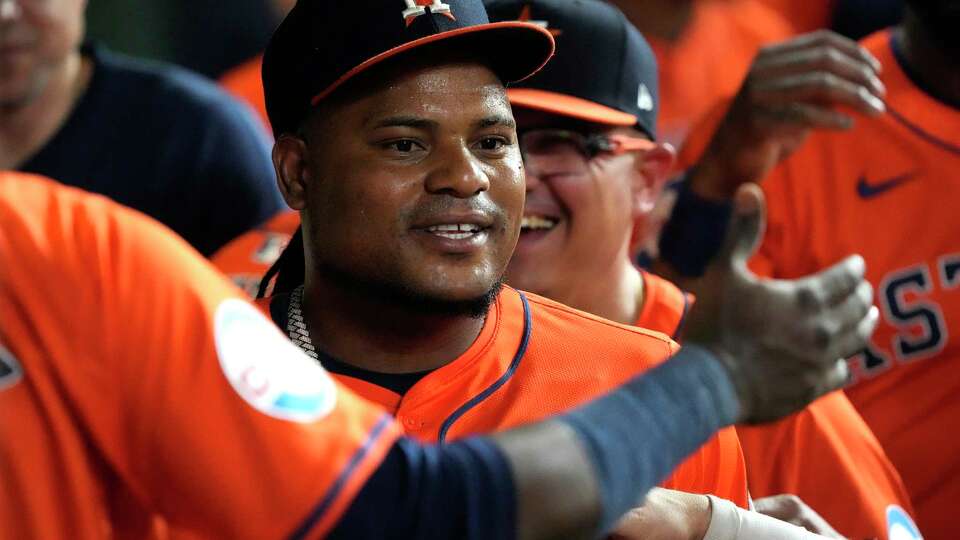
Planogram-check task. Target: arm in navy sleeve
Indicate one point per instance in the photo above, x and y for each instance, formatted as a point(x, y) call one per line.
point(634, 438)
point(695, 232)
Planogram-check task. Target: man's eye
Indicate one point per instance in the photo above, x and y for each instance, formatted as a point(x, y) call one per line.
point(403, 146)
point(492, 143)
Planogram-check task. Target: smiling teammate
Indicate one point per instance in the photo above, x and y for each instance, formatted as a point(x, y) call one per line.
point(594, 172)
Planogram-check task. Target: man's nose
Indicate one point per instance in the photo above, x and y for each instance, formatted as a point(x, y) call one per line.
point(461, 174)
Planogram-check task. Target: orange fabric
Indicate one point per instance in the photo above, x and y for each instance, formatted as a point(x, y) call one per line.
point(805, 16)
point(558, 369)
point(693, 77)
point(246, 83)
point(664, 310)
point(124, 412)
point(886, 189)
point(247, 258)
point(665, 306)
point(700, 135)
point(825, 454)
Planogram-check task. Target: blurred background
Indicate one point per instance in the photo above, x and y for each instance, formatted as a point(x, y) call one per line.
point(212, 36)
point(207, 36)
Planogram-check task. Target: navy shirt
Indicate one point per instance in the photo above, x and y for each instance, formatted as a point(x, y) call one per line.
point(167, 143)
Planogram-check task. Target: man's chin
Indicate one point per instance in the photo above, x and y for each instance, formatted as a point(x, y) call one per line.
point(16, 94)
point(427, 300)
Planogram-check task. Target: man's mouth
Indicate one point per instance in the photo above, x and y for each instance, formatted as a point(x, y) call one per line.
point(456, 231)
point(533, 223)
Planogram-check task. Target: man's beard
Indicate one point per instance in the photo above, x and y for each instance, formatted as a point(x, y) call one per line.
point(400, 295)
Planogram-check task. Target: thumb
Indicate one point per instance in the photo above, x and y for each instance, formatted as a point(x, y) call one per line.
point(746, 225)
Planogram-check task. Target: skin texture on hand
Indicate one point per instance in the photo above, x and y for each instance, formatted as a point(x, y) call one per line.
point(666, 515)
point(792, 509)
point(810, 82)
point(782, 341)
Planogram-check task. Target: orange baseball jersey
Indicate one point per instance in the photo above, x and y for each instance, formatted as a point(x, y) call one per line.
point(135, 383)
point(535, 358)
point(245, 82)
point(805, 16)
point(886, 189)
point(825, 454)
point(691, 78)
point(246, 259)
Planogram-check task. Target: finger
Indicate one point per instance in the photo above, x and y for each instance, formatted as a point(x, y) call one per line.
point(793, 115)
point(746, 226)
point(782, 507)
point(836, 378)
point(825, 38)
point(820, 59)
point(851, 342)
point(822, 88)
point(832, 285)
point(841, 318)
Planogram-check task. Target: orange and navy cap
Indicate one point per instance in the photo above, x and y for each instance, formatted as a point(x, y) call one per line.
point(322, 44)
point(604, 70)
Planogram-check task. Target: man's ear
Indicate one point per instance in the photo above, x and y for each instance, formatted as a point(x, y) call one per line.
point(290, 162)
point(653, 167)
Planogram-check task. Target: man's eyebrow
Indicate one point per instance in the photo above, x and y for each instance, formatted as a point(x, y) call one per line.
point(404, 121)
point(497, 120)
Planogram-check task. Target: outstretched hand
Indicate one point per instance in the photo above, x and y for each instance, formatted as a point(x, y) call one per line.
point(783, 342)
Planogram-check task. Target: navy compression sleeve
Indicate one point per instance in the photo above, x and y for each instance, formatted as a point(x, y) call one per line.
point(635, 437)
point(695, 232)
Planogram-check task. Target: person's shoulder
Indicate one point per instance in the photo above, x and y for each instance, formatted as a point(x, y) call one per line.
point(878, 43)
point(573, 325)
point(167, 87)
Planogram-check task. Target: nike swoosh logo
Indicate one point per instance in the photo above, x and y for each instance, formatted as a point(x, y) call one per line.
point(866, 190)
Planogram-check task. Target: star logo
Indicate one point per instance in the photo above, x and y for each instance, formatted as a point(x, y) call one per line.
point(416, 8)
point(526, 16)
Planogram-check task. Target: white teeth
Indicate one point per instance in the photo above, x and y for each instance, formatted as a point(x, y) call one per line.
point(455, 231)
point(455, 228)
point(537, 223)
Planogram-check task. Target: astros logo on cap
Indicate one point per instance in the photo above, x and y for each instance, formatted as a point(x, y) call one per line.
point(416, 8)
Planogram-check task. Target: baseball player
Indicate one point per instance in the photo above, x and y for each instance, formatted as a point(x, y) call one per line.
point(879, 185)
point(137, 388)
point(586, 208)
point(408, 179)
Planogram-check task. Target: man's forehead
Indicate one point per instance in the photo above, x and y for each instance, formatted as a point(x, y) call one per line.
point(441, 91)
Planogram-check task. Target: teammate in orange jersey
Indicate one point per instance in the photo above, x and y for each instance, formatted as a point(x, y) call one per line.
point(247, 258)
point(878, 187)
point(136, 387)
point(584, 211)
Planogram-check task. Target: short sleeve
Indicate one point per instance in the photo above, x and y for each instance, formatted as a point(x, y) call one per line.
point(189, 395)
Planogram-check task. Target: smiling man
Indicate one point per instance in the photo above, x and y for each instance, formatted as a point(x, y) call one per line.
point(407, 174)
point(410, 185)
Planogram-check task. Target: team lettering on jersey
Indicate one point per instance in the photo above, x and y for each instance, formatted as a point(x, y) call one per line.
point(10, 371)
point(906, 301)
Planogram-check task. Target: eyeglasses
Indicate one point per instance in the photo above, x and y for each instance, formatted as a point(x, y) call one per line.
point(558, 151)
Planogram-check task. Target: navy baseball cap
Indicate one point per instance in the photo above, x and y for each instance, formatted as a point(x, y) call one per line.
point(322, 44)
point(603, 72)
